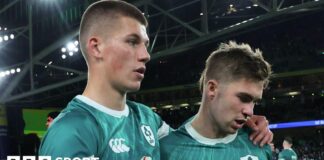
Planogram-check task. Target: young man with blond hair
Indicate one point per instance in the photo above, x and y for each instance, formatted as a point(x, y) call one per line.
point(231, 83)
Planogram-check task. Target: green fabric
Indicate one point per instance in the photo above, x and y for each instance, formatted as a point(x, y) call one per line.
point(180, 145)
point(84, 131)
point(287, 154)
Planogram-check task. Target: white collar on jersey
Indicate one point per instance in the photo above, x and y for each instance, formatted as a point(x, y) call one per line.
point(208, 141)
point(104, 109)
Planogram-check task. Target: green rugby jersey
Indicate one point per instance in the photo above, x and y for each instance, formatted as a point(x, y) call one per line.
point(187, 144)
point(85, 129)
point(287, 154)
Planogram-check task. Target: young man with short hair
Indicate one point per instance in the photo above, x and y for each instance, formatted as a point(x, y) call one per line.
point(287, 153)
point(231, 83)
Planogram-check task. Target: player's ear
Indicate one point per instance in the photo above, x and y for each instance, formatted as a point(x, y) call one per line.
point(94, 47)
point(212, 86)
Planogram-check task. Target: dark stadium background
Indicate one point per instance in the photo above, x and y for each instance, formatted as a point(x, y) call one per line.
point(183, 33)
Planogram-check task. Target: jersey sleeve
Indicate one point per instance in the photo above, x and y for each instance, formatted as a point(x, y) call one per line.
point(268, 151)
point(72, 135)
point(163, 128)
point(281, 156)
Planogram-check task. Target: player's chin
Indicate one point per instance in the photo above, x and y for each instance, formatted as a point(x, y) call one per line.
point(232, 131)
point(134, 87)
point(234, 128)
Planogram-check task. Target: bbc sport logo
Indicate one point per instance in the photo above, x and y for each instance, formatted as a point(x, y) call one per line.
point(49, 158)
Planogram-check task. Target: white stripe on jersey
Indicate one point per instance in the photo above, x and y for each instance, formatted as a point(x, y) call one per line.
point(164, 130)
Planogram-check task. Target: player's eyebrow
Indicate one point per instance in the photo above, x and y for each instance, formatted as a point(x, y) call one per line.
point(246, 97)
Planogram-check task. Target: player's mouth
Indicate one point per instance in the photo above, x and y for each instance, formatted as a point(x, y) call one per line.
point(239, 123)
point(140, 72)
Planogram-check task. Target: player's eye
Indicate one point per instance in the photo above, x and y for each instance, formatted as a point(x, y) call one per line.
point(132, 42)
point(245, 98)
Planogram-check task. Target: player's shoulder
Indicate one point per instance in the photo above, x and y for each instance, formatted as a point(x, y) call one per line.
point(176, 136)
point(137, 105)
point(243, 135)
point(169, 145)
point(245, 131)
point(73, 116)
point(140, 108)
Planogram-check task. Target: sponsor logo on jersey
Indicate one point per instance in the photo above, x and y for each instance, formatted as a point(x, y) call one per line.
point(148, 134)
point(249, 157)
point(118, 145)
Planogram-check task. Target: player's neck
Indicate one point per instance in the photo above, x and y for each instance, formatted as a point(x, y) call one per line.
point(105, 95)
point(286, 147)
point(205, 128)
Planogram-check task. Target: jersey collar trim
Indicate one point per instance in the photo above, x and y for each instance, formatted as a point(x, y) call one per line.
point(104, 109)
point(208, 141)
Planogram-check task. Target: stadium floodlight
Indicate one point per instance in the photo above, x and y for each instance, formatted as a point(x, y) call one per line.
point(2, 74)
point(293, 93)
point(12, 36)
point(167, 106)
point(63, 50)
point(71, 48)
point(154, 108)
point(12, 71)
point(5, 38)
point(9, 72)
point(184, 105)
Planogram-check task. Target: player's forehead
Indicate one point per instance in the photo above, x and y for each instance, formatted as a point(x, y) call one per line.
point(130, 27)
point(246, 87)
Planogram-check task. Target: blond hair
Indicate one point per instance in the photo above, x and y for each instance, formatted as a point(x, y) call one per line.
point(233, 61)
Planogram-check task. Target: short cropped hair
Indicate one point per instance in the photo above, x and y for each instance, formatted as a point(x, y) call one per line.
point(233, 61)
point(53, 114)
point(105, 13)
point(288, 140)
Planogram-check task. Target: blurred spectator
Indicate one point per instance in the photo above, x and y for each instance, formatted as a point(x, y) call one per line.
point(50, 117)
point(287, 153)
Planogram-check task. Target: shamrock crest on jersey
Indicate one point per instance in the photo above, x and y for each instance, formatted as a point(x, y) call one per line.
point(148, 134)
